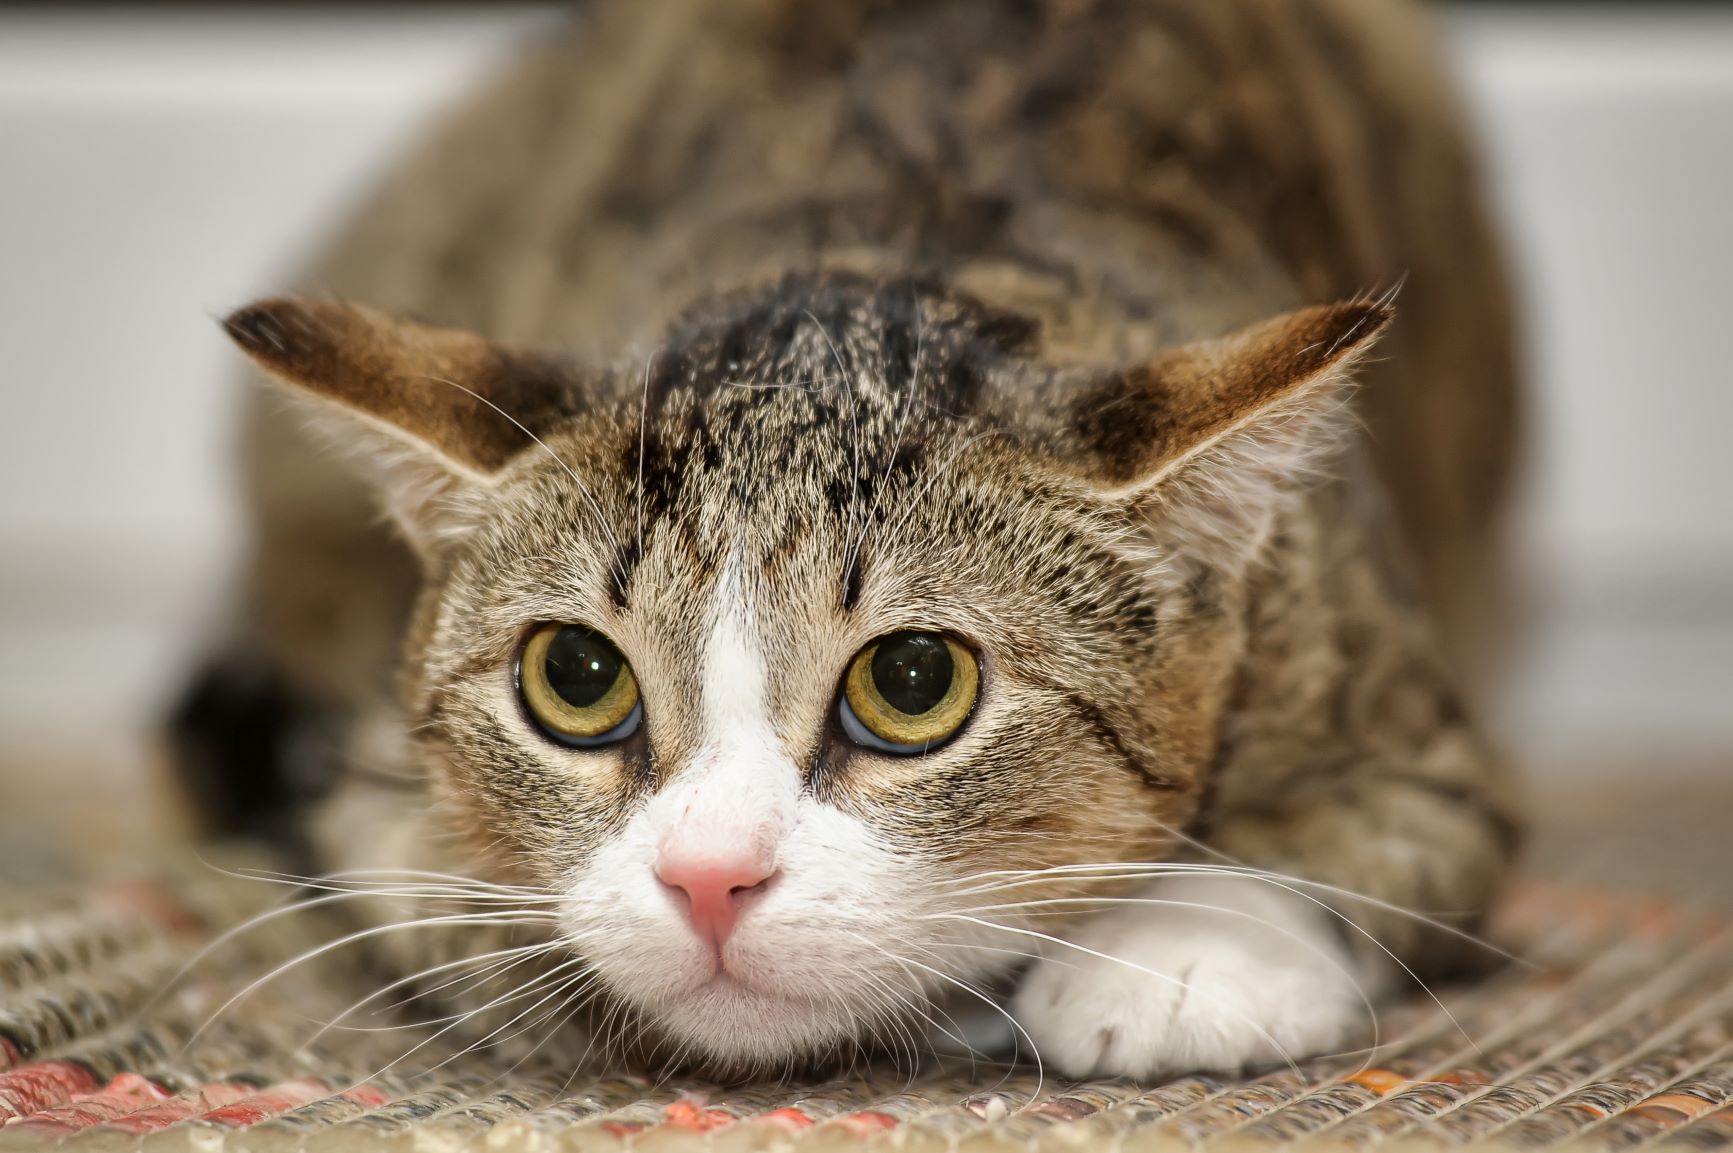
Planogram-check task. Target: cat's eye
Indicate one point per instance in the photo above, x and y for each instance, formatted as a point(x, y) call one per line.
point(578, 686)
point(908, 692)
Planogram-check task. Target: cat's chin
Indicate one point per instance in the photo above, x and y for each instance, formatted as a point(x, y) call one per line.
point(729, 1021)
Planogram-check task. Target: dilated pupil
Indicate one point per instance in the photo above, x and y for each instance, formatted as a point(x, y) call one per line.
point(581, 666)
point(912, 671)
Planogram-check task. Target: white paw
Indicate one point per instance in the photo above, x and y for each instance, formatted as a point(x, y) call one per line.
point(1236, 973)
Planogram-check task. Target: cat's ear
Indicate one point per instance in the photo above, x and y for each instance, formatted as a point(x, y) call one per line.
point(1207, 436)
point(434, 413)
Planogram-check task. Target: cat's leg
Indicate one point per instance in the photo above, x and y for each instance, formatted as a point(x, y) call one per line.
point(1195, 973)
point(1357, 879)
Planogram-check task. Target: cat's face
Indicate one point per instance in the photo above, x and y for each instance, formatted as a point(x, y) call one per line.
point(819, 663)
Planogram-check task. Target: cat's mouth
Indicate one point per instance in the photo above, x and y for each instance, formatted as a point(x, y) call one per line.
point(736, 981)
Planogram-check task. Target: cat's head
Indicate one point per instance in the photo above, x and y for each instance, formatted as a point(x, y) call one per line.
point(819, 660)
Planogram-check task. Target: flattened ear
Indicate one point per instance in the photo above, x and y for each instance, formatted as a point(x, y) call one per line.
point(1209, 434)
point(435, 412)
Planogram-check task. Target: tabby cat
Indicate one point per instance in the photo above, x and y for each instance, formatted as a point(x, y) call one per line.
point(948, 502)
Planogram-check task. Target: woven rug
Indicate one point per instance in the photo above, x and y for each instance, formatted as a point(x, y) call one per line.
point(1616, 1031)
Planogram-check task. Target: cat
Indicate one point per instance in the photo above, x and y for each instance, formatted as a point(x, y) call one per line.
point(896, 502)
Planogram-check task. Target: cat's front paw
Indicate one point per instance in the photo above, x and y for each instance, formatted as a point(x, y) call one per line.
point(1233, 973)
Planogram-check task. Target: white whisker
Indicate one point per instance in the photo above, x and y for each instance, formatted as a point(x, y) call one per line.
point(501, 918)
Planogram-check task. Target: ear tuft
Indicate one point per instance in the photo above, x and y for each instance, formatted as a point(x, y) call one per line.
point(1324, 336)
point(259, 328)
point(307, 343)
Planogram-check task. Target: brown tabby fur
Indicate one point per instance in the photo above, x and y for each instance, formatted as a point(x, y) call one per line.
point(1029, 219)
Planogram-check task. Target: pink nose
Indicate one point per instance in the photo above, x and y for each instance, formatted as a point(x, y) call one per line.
point(715, 887)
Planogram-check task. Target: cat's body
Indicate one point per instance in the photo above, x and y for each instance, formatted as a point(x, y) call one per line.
point(869, 267)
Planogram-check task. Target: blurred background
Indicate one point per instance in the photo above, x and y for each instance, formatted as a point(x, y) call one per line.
point(159, 166)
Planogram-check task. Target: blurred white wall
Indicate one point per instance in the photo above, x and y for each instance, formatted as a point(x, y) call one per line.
point(158, 169)
point(1610, 134)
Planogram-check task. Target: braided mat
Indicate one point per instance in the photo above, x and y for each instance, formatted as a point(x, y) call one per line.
point(1617, 1032)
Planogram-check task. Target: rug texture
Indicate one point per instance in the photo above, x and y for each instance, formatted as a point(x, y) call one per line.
point(1615, 1031)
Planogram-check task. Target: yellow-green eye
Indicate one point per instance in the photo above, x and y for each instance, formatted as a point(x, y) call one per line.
point(908, 692)
point(578, 687)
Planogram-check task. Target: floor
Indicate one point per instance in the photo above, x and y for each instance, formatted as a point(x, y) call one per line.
point(1617, 1032)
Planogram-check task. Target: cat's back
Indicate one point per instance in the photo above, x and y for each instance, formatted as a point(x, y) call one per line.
point(649, 153)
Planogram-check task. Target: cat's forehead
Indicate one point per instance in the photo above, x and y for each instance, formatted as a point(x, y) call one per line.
point(802, 332)
point(812, 398)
